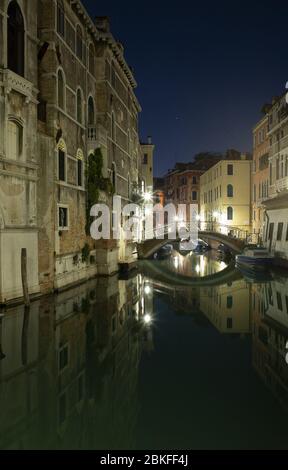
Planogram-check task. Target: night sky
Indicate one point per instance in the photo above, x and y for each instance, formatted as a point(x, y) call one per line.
point(204, 69)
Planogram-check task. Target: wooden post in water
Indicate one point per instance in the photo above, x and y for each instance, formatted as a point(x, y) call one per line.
point(24, 277)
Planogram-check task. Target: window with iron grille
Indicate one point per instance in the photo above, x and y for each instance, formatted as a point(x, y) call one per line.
point(63, 218)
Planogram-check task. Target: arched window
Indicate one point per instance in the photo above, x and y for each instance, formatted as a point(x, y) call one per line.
point(61, 89)
point(229, 213)
point(80, 159)
point(91, 112)
point(16, 39)
point(114, 176)
point(91, 59)
point(60, 18)
point(62, 150)
point(230, 191)
point(113, 126)
point(15, 140)
point(79, 43)
point(79, 106)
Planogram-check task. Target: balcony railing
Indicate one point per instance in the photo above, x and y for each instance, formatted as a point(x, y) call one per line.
point(12, 81)
point(92, 133)
point(97, 134)
point(282, 184)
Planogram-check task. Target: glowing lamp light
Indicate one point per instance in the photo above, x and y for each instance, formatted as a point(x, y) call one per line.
point(147, 319)
point(147, 197)
point(197, 269)
point(147, 290)
point(198, 217)
point(215, 214)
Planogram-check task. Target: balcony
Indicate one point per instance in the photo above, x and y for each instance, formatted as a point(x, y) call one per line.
point(97, 136)
point(13, 82)
point(281, 185)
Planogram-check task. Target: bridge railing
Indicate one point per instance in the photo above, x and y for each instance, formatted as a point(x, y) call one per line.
point(241, 232)
point(234, 232)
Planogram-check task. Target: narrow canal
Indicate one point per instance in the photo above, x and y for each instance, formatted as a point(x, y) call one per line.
point(147, 364)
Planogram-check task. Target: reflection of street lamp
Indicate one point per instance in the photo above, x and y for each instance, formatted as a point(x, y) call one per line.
point(147, 290)
point(147, 319)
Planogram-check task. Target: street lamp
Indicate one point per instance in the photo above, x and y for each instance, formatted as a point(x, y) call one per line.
point(147, 197)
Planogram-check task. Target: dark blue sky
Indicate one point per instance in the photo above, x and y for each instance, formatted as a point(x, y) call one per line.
point(204, 69)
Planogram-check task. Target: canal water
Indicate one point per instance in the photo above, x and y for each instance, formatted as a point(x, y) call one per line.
point(148, 363)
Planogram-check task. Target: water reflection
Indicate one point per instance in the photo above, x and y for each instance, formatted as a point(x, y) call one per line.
point(270, 334)
point(193, 265)
point(104, 365)
point(69, 368)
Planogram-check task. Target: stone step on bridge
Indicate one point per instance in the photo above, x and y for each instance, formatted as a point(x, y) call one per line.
point(148, 247)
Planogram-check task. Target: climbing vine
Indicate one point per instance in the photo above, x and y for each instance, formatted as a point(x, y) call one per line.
point(96, 183)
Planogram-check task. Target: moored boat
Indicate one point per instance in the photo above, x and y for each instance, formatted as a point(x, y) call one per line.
point(255, 258)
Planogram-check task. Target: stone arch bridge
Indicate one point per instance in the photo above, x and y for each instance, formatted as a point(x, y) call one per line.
point(148, 247)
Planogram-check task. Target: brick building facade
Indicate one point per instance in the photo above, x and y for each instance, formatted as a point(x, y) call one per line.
point(66, 91)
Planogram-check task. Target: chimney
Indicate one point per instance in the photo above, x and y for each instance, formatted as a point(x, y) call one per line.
point(149, 139)
point(102, 23)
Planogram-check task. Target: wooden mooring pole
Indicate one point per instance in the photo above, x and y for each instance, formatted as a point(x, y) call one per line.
point(24, 277)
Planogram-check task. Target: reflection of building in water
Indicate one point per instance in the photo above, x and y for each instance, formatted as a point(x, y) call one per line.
point(227, 306)
point(70, 372)
point(270, 334)
point(19, 332)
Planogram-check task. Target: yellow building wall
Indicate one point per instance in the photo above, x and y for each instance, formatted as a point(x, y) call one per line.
point(215, 209)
